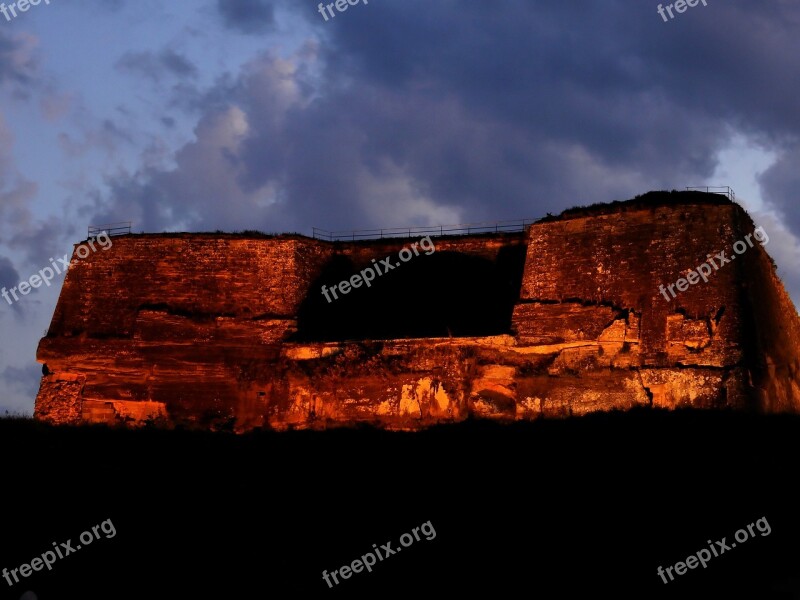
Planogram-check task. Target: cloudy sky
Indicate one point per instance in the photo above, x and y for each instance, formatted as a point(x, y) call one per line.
point(260, 114)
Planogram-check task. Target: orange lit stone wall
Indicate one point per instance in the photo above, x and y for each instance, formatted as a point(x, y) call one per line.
point(201, 330)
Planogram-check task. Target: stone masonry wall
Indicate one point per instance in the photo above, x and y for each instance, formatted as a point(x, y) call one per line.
point(201, 330)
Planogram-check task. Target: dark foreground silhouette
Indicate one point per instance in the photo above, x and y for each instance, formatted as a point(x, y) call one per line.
point(550, 509)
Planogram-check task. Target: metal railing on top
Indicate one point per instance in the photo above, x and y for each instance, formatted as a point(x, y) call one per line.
point(407, 232)
point(111, 229)
point(725, 190)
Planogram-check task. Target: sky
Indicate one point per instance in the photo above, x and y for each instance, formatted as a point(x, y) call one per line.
point(261, 114)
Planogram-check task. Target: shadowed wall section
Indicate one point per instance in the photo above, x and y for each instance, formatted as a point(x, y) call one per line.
point(443, 294)
point(227, 331)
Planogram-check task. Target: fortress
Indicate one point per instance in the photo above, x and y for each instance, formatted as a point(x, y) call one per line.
point(232, 331)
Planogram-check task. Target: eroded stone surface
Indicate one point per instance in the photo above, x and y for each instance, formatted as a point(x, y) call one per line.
point(205, 331)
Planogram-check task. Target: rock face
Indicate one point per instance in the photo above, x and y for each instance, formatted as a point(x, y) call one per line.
point(229, 331)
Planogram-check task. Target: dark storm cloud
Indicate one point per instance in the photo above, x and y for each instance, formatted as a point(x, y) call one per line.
point(18, 64)
point(156, 66)
point(178, 65)
point(42, 240)
point(9, 277)
point(479, 111)
point(612, 79)
point(781, 186)
point(247, 16)
point(730, 60)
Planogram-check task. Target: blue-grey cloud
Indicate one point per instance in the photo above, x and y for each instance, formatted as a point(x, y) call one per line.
point(18, 63)
point(9, 277)
point(780, 185)
point(24, 380)
point(247, 16)
point(157, 66)
point(418, 111)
